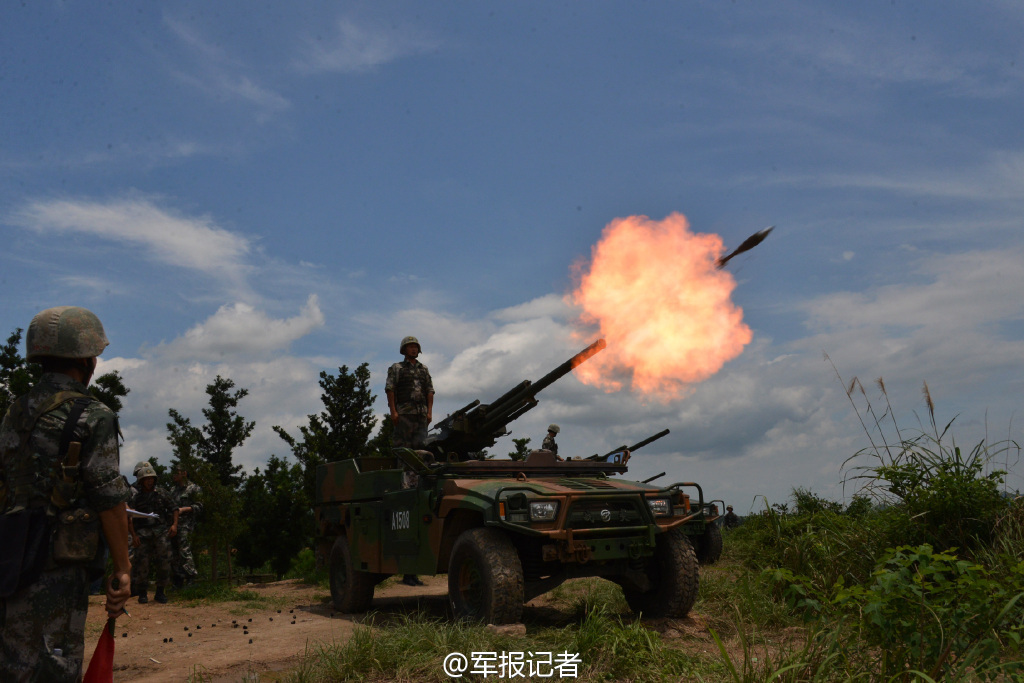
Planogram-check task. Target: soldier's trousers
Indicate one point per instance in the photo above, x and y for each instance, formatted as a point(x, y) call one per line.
point(155, 547)
point(410, 431)
point(42, 629)
point(184, 564)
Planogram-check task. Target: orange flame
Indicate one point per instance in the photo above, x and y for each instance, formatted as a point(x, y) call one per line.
point(654, 291)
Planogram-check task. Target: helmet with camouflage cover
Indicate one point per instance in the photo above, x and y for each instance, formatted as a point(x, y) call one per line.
point(65, 332)
point(145, 471)
point(554, 428)
point(138, 466)
point(406, 341)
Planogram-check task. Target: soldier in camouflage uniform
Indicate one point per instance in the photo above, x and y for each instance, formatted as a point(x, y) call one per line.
point(410, 393)
point(152, 537)
point(186, 495)
point(42, 624)
point(549, 440)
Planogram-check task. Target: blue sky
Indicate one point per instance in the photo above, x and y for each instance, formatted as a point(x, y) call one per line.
point(267, 191)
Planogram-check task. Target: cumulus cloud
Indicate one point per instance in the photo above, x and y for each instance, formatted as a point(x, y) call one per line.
point(188, 242)
point(355, 48)
point(242, 329)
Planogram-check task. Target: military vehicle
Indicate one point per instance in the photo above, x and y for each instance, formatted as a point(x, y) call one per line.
point(506, 531)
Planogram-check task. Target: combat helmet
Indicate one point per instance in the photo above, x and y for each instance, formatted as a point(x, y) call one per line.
point(145, 471)
point(65, 332)
point(554, 428)
point(138, 466)
point(406, 341)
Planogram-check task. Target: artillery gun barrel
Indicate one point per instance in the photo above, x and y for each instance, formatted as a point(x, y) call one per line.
point(513, 401)
point(624, 447)
point(648, 440)
point(461, 411)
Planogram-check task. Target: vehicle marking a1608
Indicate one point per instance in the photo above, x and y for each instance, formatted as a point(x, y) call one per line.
point(399, 519)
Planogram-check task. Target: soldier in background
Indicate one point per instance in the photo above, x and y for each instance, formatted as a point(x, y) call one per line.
point(42, 621)
point(186, 494)
point(410, 393)
point(731, 520)
point(152, 537)
point(549, 440)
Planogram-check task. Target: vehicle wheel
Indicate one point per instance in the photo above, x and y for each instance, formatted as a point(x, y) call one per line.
point(674, 577)
point(351, 590)
point(709, 545)
point(485, 578)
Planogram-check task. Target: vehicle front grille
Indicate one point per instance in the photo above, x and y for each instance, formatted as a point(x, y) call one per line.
point(601, 514)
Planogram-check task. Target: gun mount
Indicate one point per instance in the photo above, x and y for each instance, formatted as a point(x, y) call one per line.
point(477, 426)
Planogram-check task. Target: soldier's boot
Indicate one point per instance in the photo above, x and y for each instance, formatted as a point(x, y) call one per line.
point(143, 597)
point(412, 580)
point(160, 597)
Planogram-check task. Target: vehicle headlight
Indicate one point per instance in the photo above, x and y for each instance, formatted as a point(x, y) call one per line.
point(659, 506)
point(543, 510)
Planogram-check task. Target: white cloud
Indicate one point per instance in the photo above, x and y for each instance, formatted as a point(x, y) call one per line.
point(188, 242)
point(355, 48)
point(241, 329)
point(221, 75)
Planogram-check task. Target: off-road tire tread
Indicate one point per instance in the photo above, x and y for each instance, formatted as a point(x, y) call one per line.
point(503, 571)
point(357, 594)
point(670, 597)
point(709, 545)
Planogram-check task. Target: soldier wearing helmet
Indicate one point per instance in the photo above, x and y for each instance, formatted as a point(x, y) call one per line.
point(410, 393)
point(152, 537)
point(549, 440)
point(59, 466)
point(731, 520)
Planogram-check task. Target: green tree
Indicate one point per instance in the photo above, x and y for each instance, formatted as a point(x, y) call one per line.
point(342, 430)
point(225, 430)
point(522, 449)
point(109, 389)
point(278, 514)
point(16, 374)
point(206, 452)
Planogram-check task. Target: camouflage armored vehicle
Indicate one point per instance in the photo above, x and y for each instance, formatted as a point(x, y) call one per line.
point(506, 531)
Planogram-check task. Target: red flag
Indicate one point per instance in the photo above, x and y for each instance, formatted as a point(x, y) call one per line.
point(101, 666)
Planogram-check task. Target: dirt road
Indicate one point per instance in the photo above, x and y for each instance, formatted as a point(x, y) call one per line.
point(225, 641)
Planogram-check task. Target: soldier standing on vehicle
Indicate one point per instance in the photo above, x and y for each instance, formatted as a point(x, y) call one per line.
point(152, 537)
point(186, 494)
point(549, 441)
point(59, 465)
point(410, 393)
point(731, 521)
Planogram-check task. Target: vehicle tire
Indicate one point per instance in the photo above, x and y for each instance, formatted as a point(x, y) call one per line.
point(708, 545)
point(674, 576)
point(485, 578)
point(351, 590)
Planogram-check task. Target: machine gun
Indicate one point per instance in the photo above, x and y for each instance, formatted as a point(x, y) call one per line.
point(476, 426)
point(627, 450)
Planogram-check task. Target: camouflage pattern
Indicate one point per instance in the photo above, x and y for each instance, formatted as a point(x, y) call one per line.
point(549, 443)
point(50, 613)
point(410, 431)
point(155, 543)
point(184, 564)
point(410, 381)
point(65, 332)
point(44, 618)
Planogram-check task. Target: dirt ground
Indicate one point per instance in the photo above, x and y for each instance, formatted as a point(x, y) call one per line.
point(227, 642)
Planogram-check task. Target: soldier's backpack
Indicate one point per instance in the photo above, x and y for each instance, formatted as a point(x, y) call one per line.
point(28, 488)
